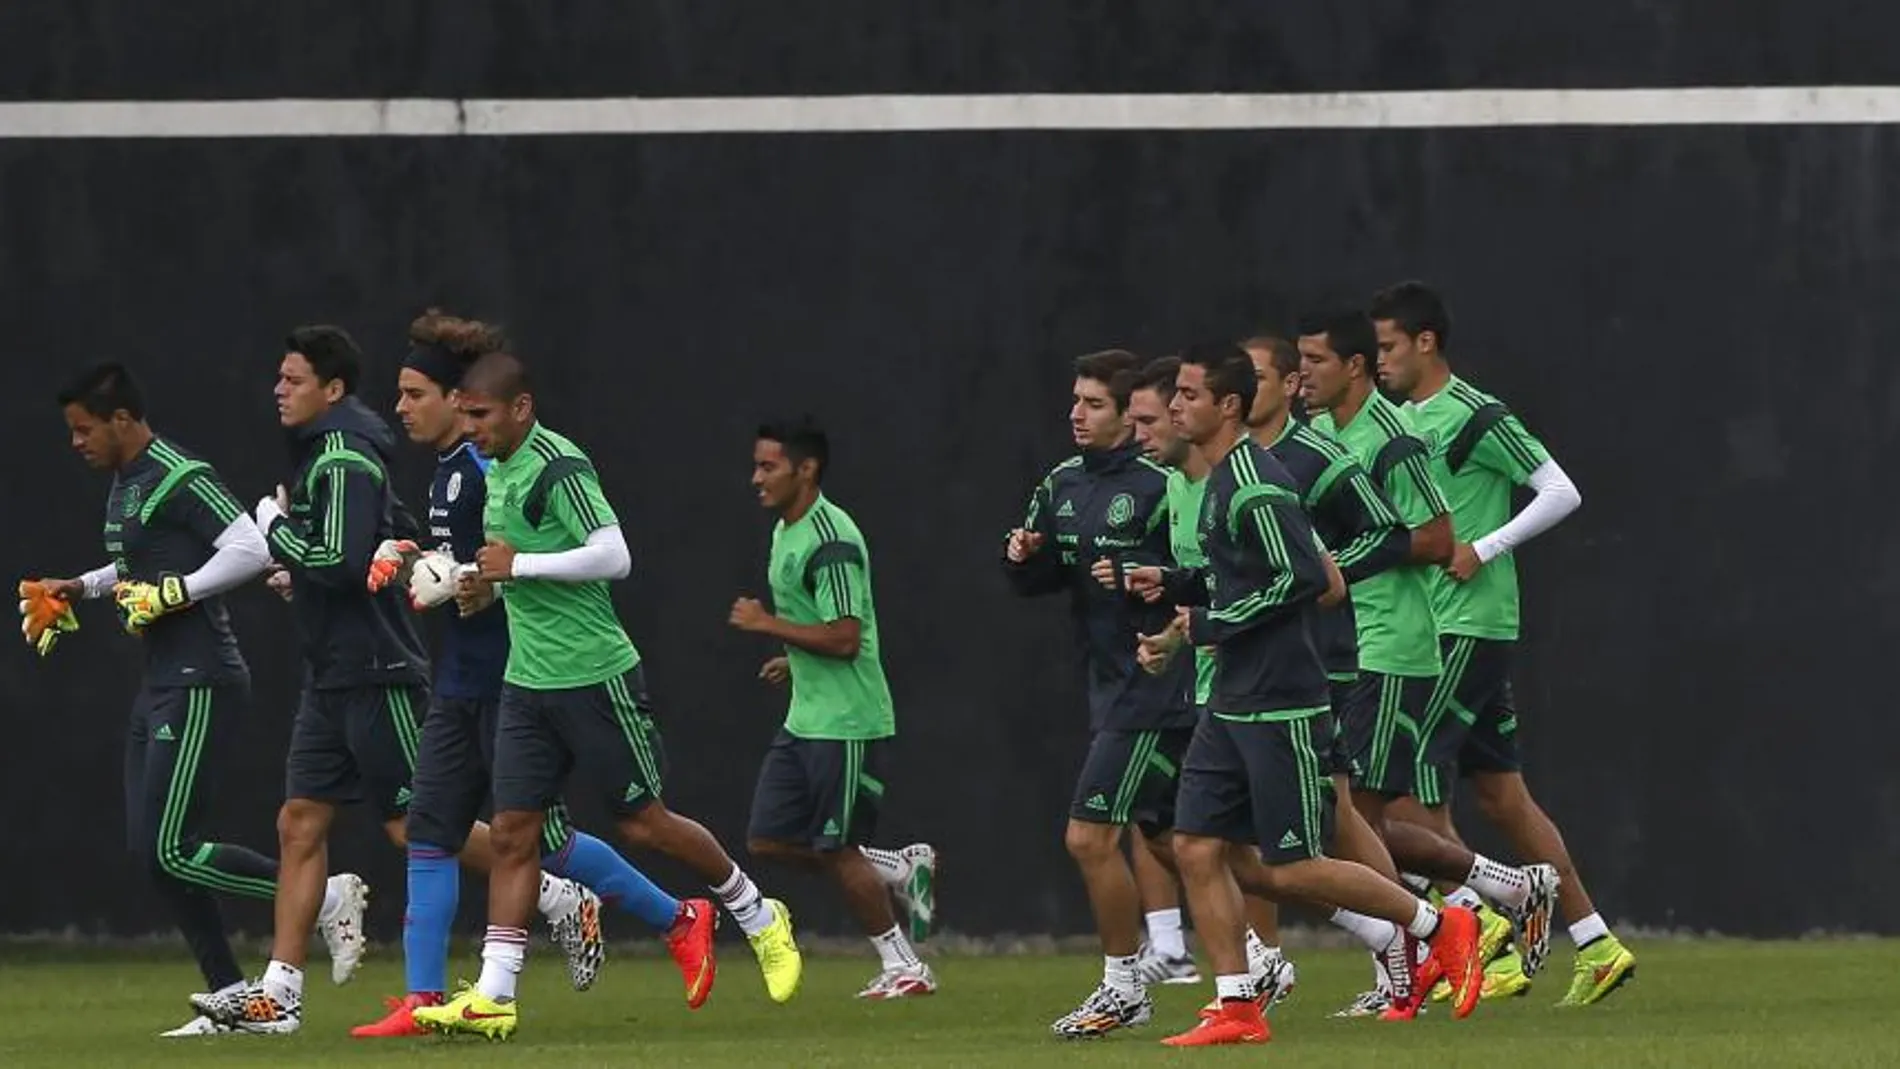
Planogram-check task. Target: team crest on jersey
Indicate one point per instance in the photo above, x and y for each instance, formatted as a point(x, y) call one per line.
point(788, 572)
point(455, 485)
point(1121, 510)
point(129, 501)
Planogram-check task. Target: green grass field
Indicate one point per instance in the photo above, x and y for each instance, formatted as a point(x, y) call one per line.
point(1715, 1003)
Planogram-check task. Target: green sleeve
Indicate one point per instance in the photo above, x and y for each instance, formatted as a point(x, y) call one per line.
point(579, 506)
point(1413, 491)
point(1510, 450)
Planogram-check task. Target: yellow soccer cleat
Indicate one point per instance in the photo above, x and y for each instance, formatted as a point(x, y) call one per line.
point(779, 958)
point(1504, 978)
point(470, 1012)
point(1602, 967)
point(1494, 934)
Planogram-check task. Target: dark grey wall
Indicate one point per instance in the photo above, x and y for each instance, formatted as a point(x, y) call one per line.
point(1688, 317)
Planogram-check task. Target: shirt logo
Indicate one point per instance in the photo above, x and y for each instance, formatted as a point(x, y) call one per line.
point(129, 501)
point(1121, 510)
point(455, 485)
point(1067, 510)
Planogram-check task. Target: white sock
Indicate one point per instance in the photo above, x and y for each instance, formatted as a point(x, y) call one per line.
point(1234, 988)
point(283, 983)
point(1501, 884)
point(1425, 922)
point(1466, 897)
point(1164, 931)
point(503, 953)
point(1374, 932)
point(1588, 930)
point(895, 950)
point(332, 902)
point(1258, 953)
point(557, 895)
point(890, 865)
point(1121, 976)
point(742, 899)
point(1419, 885)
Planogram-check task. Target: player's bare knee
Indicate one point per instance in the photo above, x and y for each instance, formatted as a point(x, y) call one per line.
point(398, 832)
point(1198, 855)
point(1090, 843)
point(1502, 798)
point(782, 852)
point(515, 835)
point(301, 827)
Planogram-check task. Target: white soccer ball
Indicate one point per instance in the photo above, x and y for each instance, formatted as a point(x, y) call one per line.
point(432, 580)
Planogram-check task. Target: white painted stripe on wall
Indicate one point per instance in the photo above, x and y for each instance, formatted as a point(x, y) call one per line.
point(1426, 109)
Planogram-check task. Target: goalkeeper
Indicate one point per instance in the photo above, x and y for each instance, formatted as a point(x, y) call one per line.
point(178, 541)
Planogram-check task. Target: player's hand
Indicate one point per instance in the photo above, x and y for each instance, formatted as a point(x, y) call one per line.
point(1335, 591)
point(495, 562)
point(271, 509)
point(391, 563)
point(472, 593)
point(1144, 582)
point(1022, 545)
point(432, 579)
point(141, 603)
point(748, 615)
point(776, 671)
point(1103, 572)
point(1464, 562)
point(278, 580)
point(1155, 652)
point(46, 611)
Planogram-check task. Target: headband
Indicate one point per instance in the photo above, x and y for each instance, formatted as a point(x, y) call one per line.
point(438, 364)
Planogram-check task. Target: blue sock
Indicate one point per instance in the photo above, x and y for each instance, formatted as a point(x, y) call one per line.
point(435, 885)
point(600, 868)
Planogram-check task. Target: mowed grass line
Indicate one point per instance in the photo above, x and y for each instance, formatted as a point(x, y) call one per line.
point(1713, 1003)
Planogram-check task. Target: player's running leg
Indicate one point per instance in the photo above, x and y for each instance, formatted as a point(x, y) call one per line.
point(1164, 956)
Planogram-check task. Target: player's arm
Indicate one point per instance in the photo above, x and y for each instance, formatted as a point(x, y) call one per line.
point(1031, 565)
point(1510, 450)
point(1375, 538)
point(835, 576)
point(204, 507)
point(1409, 485)
point(334, 547)
point(578, 505)
point(1269, 521)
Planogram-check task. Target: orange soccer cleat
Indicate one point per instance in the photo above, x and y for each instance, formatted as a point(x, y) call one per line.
point(691, 943)
point(399, 1022)
point(1455, 949)
point(1237, 1021)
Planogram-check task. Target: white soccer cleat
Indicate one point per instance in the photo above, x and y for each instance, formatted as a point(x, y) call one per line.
point(900, 983)
point(197, 1026)
point(343, 932)
point(251, 1009)
point(575, 928)
point(917, 894)
point(1274, 978)
point(1153, 968)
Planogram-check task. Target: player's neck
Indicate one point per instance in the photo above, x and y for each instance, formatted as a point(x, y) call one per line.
point(1358, 392)
point(802, 503)
point(1196, 465)
point(1433, 379)
point(136, 441)
point(1225, 441)
point(450, 441)
point(1270, 431)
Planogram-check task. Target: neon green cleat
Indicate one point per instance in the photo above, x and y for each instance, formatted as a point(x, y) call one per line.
point(1601, 968)
point(1494, 934)
point(779, 958)
point(469, 1011)
point(1504, 978)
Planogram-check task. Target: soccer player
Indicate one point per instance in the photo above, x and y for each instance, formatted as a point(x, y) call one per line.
point(1164, 953)
point(1480, 451)
point(354, 735)
point(1398, 657)
point(822, 782)
point(573, 695)
point(1109, 501)
point(456, 750)
point(1253, 774)
point(178, 542)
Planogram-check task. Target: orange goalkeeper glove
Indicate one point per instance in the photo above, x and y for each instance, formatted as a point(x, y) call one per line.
point(391, 563)
point(44, 615)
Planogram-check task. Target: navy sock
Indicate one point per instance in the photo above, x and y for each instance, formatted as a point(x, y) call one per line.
point(600, 868)
point(435, 888)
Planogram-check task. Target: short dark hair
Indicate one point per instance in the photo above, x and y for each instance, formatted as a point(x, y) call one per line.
point(1348, 332)
point(499, 375)
point(1282, 354)
point(103, 389)
point(332, 354)
point(1229, 371)
point(1104, 367)
point(1159, 375)
point(1416, 308)
point(802, 439)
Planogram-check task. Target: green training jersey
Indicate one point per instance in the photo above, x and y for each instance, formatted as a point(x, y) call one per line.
point(1479, 453)
point(1184, 544)
point(546, 498)
point(821, 572)
point(1393, 609)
